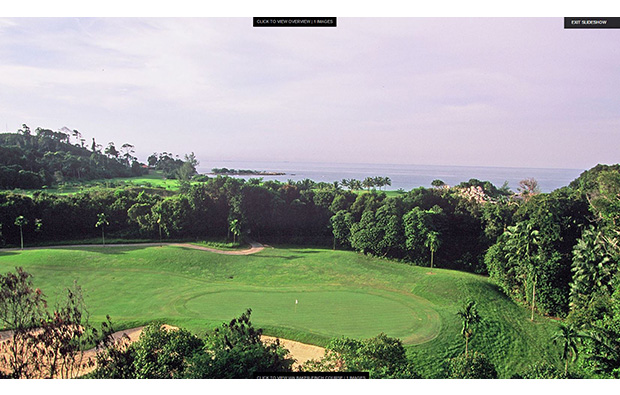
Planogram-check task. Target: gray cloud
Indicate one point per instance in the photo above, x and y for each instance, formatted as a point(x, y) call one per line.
point(503, 92)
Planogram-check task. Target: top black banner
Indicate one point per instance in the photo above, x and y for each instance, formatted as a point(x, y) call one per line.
point(294, 22)
point(591, 23)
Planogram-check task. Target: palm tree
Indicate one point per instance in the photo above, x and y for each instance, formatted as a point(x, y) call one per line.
point(387, 181)
point(102, 221)
point(568, 336)
point(235, 228)
point(469, 315)
point(355, 184)
point(378, 181)
point(433, 243)
point(21, 221)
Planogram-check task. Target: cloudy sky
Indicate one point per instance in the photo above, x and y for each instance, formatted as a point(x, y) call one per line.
point(520, 92)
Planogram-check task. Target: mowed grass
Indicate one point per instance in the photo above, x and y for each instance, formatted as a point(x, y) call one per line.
point(338, 293)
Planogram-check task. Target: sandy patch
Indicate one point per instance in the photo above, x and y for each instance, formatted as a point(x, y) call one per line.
point(300, 351)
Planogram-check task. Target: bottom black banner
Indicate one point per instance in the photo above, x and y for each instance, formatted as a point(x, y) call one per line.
point(311, 375)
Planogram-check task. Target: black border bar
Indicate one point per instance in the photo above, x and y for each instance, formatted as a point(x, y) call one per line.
point(591, 23)
point(311, 375)
point(294, 22)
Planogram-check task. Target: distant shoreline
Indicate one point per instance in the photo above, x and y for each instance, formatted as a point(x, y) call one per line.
point(267, 173)
point(234, 172)
point(406, 177)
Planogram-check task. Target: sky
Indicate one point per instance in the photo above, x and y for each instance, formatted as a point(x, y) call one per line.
point(516, 92)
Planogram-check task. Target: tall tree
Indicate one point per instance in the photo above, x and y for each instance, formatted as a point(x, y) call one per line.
point(102, 221)
point(432, 242)
point(368, 182)
point(235, 229)
point(341, 223)
point(387, 181)
point(21, 221)
point(110, 150)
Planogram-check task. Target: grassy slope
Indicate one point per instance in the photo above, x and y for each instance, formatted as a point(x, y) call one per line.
point(155, 179)
point(339, 293)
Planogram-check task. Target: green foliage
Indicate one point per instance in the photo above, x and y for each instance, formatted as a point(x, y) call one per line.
point(605, 200)
point(471, 366)
point(381, 356)
point(568, 337)
point(422, 230)
point(593, 269)
point(164, 353)
point(21, 305)
point(170, 165)
point(235, 351)
point(601, 349)
point(532, 259)
point(496, 218)
point(341, 223)
point(33, 161)
point(588, 180)
point(541, 370)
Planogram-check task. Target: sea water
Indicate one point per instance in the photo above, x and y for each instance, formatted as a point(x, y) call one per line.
point(406, 177)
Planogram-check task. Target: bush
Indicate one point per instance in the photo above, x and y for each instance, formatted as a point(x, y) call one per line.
point(471, 366)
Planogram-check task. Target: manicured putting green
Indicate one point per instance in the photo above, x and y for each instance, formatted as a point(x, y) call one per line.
point(328, 313)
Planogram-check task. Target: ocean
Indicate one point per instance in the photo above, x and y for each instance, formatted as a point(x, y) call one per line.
point(406, 177)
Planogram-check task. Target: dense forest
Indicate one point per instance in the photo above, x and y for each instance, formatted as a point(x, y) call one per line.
point(555, 253)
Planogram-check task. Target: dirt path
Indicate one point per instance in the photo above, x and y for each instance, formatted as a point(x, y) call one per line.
point(254, 247)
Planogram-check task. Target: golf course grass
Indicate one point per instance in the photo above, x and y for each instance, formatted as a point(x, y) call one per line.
point(338, 293)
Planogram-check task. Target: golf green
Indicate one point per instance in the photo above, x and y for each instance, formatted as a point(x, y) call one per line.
point(328, 313)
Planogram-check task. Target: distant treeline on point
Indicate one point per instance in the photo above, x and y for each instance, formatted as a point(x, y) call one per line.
point(241, 172)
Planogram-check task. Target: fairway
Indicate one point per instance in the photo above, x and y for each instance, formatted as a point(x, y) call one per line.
point(339, 293)
point(199, 290)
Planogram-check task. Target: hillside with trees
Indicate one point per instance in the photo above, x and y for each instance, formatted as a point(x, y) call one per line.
point(34, 159)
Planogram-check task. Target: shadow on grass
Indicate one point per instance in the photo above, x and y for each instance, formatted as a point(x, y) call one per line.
point(108, 249)
point(118, 250)
point(8, 253)
point(288, 258)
